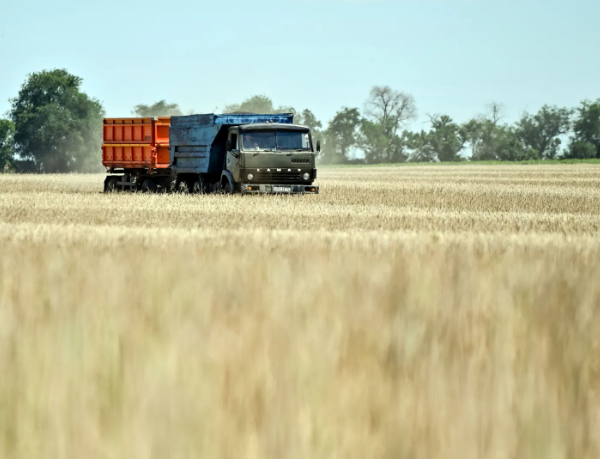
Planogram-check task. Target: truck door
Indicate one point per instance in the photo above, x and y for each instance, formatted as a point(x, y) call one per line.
point(232, 160)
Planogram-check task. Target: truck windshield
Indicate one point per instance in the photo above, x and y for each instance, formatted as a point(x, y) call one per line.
point(276, 140)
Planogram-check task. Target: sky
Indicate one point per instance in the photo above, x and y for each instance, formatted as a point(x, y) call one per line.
point(454, 56)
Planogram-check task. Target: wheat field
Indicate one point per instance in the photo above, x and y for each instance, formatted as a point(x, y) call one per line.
point(405, 312)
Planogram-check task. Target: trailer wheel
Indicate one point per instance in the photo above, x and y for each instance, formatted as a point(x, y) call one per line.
point(148, 186)
point(111, 185)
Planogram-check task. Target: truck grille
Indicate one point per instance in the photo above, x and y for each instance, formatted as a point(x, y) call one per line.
point(278, 177)
point(300, 161)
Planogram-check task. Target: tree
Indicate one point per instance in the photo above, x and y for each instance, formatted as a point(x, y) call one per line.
point(380, 146)
point(264, 105)
point(341, 136)
point(387, 110)
point(57, 126)
point(7, 132)
point(482, 137)
point(581, 150)
point(541, 131)
point(420, 148)
point(492, 141)
point(446, 138)
point(586, 131)
point(390, 109)
point(494, 113)
point(512, 148)
point(308, 119)
point(255, 104)
point(160, 108)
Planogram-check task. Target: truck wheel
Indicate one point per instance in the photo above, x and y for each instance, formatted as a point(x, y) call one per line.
point(111, 185)
point(148, 186)
point(226, 187)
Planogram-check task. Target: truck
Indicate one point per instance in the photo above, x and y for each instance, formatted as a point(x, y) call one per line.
point(229, 153)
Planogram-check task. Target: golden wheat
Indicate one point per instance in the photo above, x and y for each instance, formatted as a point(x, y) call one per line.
point(438, 312)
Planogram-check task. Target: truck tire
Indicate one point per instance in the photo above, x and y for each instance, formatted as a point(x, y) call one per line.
point(227, 183)
point(148, 186)
point(111, 185)
point(226, 187)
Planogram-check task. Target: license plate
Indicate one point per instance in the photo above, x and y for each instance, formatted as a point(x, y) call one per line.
point(282, 189)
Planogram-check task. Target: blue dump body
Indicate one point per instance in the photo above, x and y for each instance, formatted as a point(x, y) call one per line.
point(197, 142)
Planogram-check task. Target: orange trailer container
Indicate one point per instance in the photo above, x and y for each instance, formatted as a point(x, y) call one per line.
point(136, 143)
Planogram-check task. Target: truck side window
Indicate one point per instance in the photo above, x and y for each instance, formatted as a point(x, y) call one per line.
point(234, 140)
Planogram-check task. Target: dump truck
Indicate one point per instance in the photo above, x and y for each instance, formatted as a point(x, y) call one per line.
point(230, 153)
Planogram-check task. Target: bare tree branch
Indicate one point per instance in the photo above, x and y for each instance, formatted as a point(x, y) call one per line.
point(390, 108)
point(495, 112)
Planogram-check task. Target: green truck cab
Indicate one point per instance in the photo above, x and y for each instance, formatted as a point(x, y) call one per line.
point(271, 158)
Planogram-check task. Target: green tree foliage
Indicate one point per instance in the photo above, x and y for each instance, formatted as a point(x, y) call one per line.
point(390, 108)
point(585, 142)
point(419, 147)
point(492, 141)
point(387, 110)
point(379, 145)
point(542, 131)
point(57, 126)
point(511, 147)
point(446, 138)
point(341, 136)
point(308, 118)
point(581, 150)
point(160, 108)
point(264, 105)
point(7, 132)
point(256, 104)
point(483, 137)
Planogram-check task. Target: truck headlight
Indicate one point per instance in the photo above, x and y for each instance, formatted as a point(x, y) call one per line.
point(250, 176)
point(306, 176)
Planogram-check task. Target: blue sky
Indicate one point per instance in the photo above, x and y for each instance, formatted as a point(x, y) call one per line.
point(453, 56)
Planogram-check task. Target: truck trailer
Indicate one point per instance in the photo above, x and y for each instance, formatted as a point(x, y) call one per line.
point(230, 153)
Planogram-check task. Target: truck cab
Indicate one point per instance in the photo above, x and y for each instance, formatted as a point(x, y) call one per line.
point(270, 158)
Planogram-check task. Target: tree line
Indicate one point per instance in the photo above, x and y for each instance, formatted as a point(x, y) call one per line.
point(380, 134)
point(53, 126)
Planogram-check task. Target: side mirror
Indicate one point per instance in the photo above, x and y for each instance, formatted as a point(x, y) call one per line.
point(228, 145)
point(318, 146)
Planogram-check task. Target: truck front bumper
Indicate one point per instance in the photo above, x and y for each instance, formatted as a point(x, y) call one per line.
point(275, 188)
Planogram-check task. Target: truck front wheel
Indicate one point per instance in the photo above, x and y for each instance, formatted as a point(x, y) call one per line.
point(226, 187)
